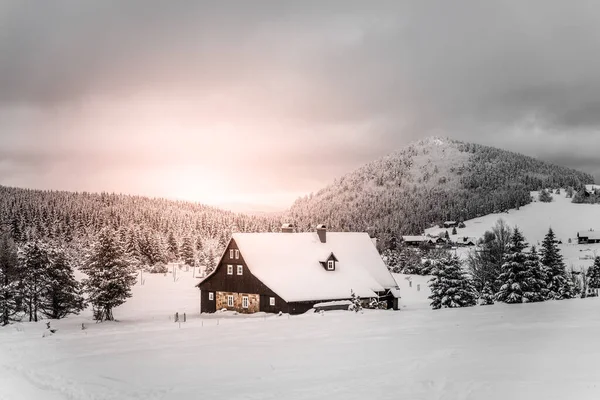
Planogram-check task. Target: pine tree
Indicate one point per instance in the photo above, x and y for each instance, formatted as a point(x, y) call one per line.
point(593, 276)
point(356, 302)
point(9, 283)
point(210, 262)
point(536, 284)
point(454, 232)
point(487, 296)
point(187, 251)
point(544, 196)
point(557, 282)
point(34, 263)
point(110, 276)
point(514, 278)
point(172, 247)
point(450, 286)
point(63, 294)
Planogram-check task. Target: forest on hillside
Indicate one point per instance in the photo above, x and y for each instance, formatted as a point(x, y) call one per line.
point(429, 182)
point(154, 231)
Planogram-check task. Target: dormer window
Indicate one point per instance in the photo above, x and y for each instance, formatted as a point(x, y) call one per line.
point(329, 263)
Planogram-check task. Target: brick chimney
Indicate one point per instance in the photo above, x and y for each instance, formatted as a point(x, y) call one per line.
point(322, 233)
point(287, 228)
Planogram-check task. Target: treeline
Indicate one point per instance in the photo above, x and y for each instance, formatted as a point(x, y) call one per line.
point(427, 183)
point(155, 231)
point(37, 279)
point(504, 268)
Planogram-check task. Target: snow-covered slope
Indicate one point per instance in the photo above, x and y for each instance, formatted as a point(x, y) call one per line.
point(530, 351)
point(534, 219)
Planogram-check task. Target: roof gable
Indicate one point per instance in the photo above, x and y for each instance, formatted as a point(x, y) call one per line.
point(290, 264)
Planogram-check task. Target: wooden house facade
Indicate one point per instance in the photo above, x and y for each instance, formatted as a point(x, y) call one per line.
point(295, 271)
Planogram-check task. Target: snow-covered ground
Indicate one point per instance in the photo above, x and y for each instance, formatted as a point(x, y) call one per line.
point(534, 219)
point(531, 351)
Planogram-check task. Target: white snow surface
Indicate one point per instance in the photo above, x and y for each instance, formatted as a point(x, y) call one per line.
point(529, 351)
point(288, 263)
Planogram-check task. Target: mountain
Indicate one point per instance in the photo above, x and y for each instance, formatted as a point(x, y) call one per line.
point(426, 183)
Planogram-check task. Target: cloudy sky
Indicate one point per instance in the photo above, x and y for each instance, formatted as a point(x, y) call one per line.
point(260, 102)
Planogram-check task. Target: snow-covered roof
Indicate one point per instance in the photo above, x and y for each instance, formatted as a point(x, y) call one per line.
point(589, 234)
point(409, 238)
point(289, 264)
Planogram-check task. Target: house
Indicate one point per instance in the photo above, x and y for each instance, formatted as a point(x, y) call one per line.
point(466, 241)
point(450, 224)
point(588, 237)
point(411, 240)
point(291, 272)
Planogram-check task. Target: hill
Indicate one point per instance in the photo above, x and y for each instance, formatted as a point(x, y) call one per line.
point(428, 182)
point(562, 215)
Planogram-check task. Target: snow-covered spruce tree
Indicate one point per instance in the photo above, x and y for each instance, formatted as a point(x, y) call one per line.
point(557, 282)
point(9, 282)
point(172, 248)
point(575, 277)
point(536, 284)
point(544, 196)
point(34, 263)
point(487, 295)
point(210, 261)
point(450, 286)
point(63, 294)
point(187, 252)
point(593, 276)
point(110, 276)
point(356, 302)
point(514, 278)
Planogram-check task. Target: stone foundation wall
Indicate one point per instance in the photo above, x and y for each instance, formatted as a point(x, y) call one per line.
point(253, 302)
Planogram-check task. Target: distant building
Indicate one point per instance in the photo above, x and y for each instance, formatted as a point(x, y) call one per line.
point(590, 236)
point(466, 241)
point(291, 272)
point(411, 240)
point(450, 224)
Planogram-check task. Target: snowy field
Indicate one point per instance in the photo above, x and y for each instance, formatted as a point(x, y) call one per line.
point(530, 351)
point(534, 219)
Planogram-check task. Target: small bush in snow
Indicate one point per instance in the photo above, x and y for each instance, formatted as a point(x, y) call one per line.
point(487, 296)
point(356, 305)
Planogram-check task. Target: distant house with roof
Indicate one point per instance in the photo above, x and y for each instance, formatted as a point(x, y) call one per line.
point(417, 240)
point(466, 241)
point(291, 272)
point(450, 224)
point(588, 237)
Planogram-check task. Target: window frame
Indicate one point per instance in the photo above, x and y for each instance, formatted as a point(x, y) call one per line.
point(330, 265)
point(245, 302)
point(240, 270)
point(211, 296)
point(230, 297)
point(272, 301)
point(237, 254)
point(229, 269)
point(231, 254)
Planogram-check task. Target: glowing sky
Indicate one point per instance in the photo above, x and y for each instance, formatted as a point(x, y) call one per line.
point(260, 102)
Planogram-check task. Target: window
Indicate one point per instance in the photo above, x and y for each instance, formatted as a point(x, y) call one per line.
point(240, 269)
point(231, 253)
point(271, 301)
point(229, 300)
point(245, 301)
point(330, 265)
point(237, 254)
point(230, 270)
point(211, 296)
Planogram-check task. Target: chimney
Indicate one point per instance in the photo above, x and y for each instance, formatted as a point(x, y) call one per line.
point(322, 233)
point(287, 228)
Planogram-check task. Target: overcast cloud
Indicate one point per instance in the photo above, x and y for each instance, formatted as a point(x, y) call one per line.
point(259, 102)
